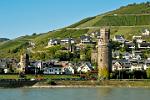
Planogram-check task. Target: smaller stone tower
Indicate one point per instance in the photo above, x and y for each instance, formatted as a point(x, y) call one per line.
point(104, 53)
point(24, 62)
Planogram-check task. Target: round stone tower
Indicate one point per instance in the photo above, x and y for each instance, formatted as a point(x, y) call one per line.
point(104, 53)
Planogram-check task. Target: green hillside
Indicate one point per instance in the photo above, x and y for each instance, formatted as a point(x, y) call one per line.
point(130, 15)
point(11, 48)
point(124, 20)
point(127, 20)
point(43, 39)
point(142, 8)
point(82, 22)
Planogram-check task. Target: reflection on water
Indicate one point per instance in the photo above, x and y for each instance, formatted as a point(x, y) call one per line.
point(104, 91)
point(75, 94)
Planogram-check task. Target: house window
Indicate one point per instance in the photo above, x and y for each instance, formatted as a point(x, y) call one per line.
point(100, 59)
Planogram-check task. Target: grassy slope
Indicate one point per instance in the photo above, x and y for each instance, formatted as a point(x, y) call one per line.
point(124, 20)
point(81, 22)
point(130, 15)
point(90, 23)
point(11, 45)
point(142, 8)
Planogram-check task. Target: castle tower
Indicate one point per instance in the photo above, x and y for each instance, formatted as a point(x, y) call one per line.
point(104, 54)
point(24, 62)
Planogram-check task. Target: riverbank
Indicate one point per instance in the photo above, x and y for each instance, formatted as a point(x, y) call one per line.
point(73, 84)
point(62, 86)
point(96, 84)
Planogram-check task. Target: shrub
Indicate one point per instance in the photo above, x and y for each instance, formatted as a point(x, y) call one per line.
point(103, 73)
point(51, 82)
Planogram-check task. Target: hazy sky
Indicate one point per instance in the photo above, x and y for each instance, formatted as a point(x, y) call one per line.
point(21, 17)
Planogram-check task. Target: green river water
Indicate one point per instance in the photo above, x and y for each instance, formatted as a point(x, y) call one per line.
point(75, 94)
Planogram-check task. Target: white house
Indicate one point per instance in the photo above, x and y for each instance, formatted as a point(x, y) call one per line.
point(119, 38)
point(146, 32)
point(32, 44)
point(117, 66)
point(138, 67)
point(85, 67)
point(6, 70)
point(86, 39)
point(67, 40)
point(121, 65)
point(53, 42)
point(39, 64)
point(55, 68)
point(94, 34)
point(147, 64)
point(138, 39)
point(68, 70)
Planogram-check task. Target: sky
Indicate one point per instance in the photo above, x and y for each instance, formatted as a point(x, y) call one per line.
point(25, 17)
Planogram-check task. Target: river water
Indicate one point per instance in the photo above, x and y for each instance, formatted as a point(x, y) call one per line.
point(75, 94)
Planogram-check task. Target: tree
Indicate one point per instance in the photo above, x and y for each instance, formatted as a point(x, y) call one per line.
point(103, 73)
point(115, 45)
point(33, 34)
point(136, 44)
point(63, 56)
point(85, 54)
point(148, 73)
point(148, 3)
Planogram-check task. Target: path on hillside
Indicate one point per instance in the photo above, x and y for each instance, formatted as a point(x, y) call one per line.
point(127, 14)
point(106, 26)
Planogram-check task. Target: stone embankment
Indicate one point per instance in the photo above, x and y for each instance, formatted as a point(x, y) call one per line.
point(96, 84)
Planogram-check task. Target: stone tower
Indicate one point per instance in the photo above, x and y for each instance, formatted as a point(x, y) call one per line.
point(24, 62)
point(104, 52)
